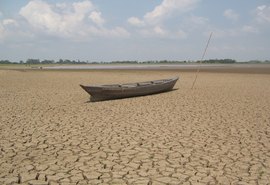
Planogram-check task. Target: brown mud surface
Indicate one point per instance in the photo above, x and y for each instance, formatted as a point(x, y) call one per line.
point(217, 133)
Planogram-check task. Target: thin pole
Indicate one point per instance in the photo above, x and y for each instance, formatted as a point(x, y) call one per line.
point(198, 69)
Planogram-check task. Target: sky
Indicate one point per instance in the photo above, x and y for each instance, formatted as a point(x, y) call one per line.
point(110, 30)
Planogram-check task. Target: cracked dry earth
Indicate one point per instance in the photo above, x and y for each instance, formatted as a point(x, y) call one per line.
point(217, 133)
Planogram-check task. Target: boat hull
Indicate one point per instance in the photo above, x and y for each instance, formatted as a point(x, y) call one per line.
point(118, 91)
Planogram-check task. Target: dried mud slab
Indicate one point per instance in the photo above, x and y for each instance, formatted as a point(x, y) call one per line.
point(217, 133)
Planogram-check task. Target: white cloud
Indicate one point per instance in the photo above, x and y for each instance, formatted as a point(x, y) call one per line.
point(10, 22)
point(199, 20)
point(41, 15)
point(11, 29)
point(263, 14)
point(67, 20)
point(96, 18)
point(135, 21)
point(83, 7)
point(7, 27)
point(61, 5)
point(196, 20)
point(160, 31)
point(231, 15)
point(152, 22)
point(163, 11)
point(167, 7)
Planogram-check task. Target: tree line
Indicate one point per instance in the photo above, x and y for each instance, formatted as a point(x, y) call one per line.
point(38, 61)
point(219, 61)
point(66, 61)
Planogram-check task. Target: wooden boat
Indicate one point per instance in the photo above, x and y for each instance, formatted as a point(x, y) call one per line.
point(117, 91)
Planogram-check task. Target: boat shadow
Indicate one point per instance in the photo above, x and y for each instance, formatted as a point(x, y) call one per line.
point(89, 101)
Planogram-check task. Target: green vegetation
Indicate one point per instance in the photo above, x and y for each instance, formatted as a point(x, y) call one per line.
point(37, 61)
point(219, 61)
point(7, 62)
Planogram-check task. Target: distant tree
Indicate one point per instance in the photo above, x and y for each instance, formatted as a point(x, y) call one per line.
point(47, 61)
point(66, 61)
point(33, 61)
point(60, 61)
point(254, 61)
point(163, 61)
point(219, 61)
point(124, 62)
point(5, 62)
point(81, 62)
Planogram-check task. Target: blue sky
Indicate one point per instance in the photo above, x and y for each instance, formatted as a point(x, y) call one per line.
point(103, 30)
